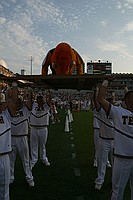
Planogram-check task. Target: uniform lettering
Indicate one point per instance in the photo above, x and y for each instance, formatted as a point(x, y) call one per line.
point(124, 119)
point(130, 120)
point(19, 114)
point(127, 120)
point(1, 120)
point(39, 108)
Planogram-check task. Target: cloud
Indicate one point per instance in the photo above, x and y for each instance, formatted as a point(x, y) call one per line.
point(19, 30)
point(2, 20)
point(53, 15)
point(128, 27)
point(104, 23)
point(129, 2)
point(124, 5)
point(119, 48)
point(33, 27)
point(19, 43)
point(111, 47)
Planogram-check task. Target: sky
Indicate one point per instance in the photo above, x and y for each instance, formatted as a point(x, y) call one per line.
point(97, 29)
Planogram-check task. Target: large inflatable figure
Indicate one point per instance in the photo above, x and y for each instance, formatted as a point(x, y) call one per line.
point(63, 60)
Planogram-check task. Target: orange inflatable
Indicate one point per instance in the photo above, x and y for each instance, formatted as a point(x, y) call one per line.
point(62, 60)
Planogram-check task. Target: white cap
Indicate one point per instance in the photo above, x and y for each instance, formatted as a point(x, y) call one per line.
point(2, 98)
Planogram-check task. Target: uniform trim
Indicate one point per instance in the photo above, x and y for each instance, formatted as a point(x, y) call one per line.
point(122, 133)
point(104, 122)
point(39, 116)
point(19, 122)
point(5, 131)
point(5, 153)
point(37, 126)
point(129, 136)
point(19, 135)
point(106, 138)
point(9, 112)
point(122, 156)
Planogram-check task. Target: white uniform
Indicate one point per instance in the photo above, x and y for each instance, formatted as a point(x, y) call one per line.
point(19, 132)
point(5, 149)
point(54, 113)
point(39, 121)
point(123, 151)
point(96, 127)
point(105, 144)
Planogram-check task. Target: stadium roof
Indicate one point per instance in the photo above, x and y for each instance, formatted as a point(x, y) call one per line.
point(75, 82)
point(3, 63)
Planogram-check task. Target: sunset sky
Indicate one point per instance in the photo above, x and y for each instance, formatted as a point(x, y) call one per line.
point(97, 29)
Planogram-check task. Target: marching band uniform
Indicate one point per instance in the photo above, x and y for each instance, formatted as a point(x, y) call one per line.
point(106, 142)
point(123, 151)
point(96, 127)
point(19, 133)
point(5, 149)
point(39, 121)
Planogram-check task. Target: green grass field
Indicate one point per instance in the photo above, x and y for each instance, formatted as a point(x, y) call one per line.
point(71, 175)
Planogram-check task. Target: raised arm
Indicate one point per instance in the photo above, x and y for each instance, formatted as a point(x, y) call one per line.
point(48, 98)
point(102, 96)
point(29, 101)
point(12, 106)
point(96, 103)
point(7, 98)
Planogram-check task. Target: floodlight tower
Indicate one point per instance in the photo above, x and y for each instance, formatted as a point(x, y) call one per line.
point(31, 58)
